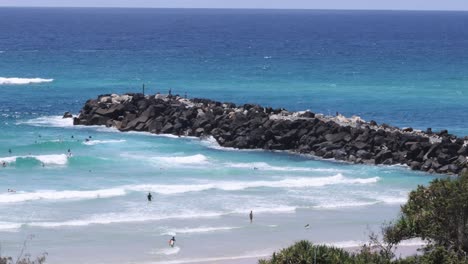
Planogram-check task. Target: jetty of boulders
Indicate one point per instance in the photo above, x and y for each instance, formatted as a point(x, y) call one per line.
point(252, 126)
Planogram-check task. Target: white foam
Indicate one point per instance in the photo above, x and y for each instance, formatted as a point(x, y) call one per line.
point(166, 251)
point(9, 227)
point(96, 142)
point(392, 199)
point(267, 209)
point(344, 244)
point(18, 81)
point(113, 218)
point(268, 167)
point(296, 182)
point(183, 160)
point(54, 159)
point(357, 243)
point(49, 121)
point(59, 195)
point(211, 143)
point(254, 256)
point(341, 204)
point(202, 229)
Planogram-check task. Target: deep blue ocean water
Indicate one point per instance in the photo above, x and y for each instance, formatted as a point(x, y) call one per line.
point(401, 68)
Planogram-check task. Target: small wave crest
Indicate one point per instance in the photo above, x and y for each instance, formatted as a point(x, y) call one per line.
point(49, 121)
point(19, 81)
point(268, 167)
point(9, 227)
point(59, 195)
point(166, 251)
point(55, 159)
point(97, 142)
point(332, 205)
point(300, 182)
point(202, 229)
point(113, 218)
point(183, 160)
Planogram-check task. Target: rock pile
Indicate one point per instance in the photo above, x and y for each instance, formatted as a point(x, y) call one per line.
point(251, 126)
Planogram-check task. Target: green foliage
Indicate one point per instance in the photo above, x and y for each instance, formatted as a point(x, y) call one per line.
point(304, 252)
point(437, 213)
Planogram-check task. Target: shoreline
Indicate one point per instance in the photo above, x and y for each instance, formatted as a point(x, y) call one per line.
point(251, 126)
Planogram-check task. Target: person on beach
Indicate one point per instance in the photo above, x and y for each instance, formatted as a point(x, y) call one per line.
point(150, 197)
point(172, 241)
point(251, 216)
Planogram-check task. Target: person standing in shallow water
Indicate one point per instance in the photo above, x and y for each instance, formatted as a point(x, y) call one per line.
point(150, 197)
point(172, 241)
point(251, 216)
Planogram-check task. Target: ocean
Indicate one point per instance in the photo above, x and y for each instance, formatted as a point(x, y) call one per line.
point(403, 68)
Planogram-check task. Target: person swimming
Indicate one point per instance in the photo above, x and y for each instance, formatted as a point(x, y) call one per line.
point(150, 197)
point(9, 151)
point(172, 241)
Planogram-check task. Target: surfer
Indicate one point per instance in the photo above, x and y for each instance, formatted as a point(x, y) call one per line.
point(9, 151)
point(307, 226)
point(4, 164)
point(11, 191)
point(251, 216)
point(150, 197)
point(172, 242)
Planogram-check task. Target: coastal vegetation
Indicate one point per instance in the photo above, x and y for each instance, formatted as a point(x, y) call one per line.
point(437, 213)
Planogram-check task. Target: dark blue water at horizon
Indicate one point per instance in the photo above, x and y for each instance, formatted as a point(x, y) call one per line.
point(400, 67)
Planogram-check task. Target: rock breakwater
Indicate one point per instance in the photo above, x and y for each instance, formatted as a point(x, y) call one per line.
point(251, 126)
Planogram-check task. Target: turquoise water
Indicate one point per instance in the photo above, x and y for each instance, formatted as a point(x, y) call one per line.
point(402, 68)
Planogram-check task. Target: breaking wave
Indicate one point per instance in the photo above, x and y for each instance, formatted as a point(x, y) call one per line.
point(97, 142)
point(184, 160)
point(59, 195)
point(55, 159)
point(202, 229)
point(18, 81)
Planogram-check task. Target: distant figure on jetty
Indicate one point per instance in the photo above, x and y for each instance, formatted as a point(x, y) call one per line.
point(150, 197)
point(185, 95)
point(251, 216)
point(172, 241)
point(170, 91)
